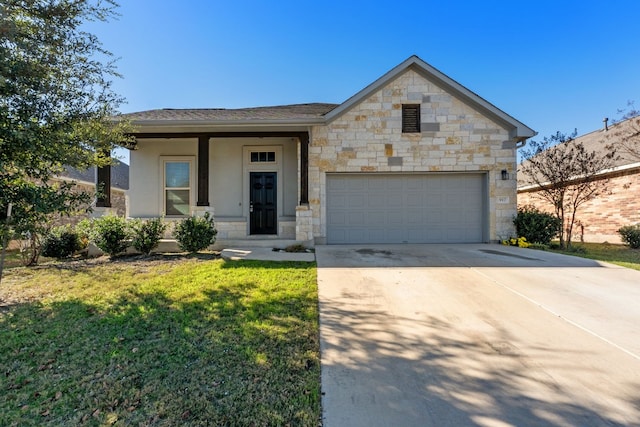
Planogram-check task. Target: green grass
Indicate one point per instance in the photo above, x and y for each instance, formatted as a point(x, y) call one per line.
point(615, 254)
point(179, 341)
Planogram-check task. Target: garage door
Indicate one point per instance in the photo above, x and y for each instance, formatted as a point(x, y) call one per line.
point(415, 208)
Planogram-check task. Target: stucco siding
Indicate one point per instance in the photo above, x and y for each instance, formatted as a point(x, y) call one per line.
point(145, 176)
point(229, 169)
point(226, 180)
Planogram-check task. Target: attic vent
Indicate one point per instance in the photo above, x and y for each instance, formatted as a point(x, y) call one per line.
point(411, 118)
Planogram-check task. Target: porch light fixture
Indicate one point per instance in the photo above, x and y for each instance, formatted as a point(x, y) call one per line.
point(504, 174)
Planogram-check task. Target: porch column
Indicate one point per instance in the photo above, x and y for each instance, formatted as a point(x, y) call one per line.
point(304, 168)
point(203, 170)
point(103, 185)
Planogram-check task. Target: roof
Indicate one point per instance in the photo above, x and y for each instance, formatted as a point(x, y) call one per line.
point(119, 175)
point(294, 112)
point(518, 130)
point(321, 113)
point(601, 141)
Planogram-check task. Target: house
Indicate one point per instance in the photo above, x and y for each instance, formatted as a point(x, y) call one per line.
point(598, 220)
point(414, 157)
point(114, 201)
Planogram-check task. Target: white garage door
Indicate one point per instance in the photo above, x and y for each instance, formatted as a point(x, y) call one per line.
point(407, 208)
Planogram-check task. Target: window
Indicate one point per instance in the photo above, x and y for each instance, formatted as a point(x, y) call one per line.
point(411, 118)
point(263, 157)
point(177, 187)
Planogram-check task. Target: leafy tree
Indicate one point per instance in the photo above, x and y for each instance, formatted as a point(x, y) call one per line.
point(55, 101)
point(566, 174)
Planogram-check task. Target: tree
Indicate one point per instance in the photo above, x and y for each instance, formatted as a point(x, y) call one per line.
point(55, 102)
point(566, 175)
point(627, 138)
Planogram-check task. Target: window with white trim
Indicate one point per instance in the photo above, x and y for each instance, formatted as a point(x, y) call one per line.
point(177, 187)
point(263, 157)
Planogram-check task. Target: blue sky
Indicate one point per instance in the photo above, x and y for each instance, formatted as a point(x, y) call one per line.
point(554, 65)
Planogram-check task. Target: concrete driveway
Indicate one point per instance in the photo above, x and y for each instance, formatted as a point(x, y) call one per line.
point(476, 335)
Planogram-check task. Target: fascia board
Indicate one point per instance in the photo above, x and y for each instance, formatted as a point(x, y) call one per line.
point(227, 123)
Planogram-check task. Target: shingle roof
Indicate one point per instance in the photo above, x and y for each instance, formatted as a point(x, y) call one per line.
point(281, 112)
point(119, 174)
point(601, 141)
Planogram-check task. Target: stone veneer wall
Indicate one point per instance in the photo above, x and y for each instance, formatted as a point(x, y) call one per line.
point(600, 219)
point(454, 138)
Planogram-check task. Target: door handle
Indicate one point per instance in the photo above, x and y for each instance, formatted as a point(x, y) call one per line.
point(250, 207)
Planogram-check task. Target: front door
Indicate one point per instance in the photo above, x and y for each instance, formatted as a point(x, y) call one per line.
point(263, 211)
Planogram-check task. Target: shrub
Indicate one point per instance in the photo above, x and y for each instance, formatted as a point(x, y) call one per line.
point(536, 226)
point(195, 233)
point(62, 242)
point(110, 234)
point(630, 235)
point(147, 234)
point(520, 242)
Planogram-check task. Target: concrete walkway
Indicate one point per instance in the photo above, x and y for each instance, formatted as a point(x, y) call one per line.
point(266, 254)
point(476, 335)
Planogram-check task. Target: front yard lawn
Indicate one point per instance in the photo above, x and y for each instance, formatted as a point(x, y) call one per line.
point(615, 254)
point(164, 341)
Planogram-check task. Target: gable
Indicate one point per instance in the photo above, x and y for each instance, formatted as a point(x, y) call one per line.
point(517, 130)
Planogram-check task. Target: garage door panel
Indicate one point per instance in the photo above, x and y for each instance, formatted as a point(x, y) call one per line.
point(414, 217)
point(396, 198)
point(416, 208)
point(356, 217)
point(356, 201)
point(375, 200)
point(338, 218)
point(395, 218)
point(373, 217)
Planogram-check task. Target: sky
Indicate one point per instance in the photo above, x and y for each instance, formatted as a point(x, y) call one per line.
point(554, 65)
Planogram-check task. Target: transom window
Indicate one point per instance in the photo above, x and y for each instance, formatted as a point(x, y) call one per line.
point(411, 118)
point(177, 187)
point(263, 157)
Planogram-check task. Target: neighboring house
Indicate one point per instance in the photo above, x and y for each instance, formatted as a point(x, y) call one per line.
point(86, 181)
point(599, 220)
point(414, 157)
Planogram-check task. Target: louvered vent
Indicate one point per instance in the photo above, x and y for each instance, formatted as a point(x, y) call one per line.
point(411, 118)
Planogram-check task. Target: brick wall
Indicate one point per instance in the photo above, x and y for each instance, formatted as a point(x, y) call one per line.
point(118, 202)
point(599, 219)
point(454, 138)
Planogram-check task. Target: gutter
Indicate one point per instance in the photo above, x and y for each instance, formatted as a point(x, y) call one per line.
point(601, 173)
point(522, 141)
point(228, 123)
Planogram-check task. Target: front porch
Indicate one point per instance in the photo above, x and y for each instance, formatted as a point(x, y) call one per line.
point(222, 171)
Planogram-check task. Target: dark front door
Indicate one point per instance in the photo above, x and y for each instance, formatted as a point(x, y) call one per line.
point(263, 212)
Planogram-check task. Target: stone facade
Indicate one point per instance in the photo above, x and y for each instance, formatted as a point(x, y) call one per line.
point(599, 220)
point(460, 133)
point(454, 138)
